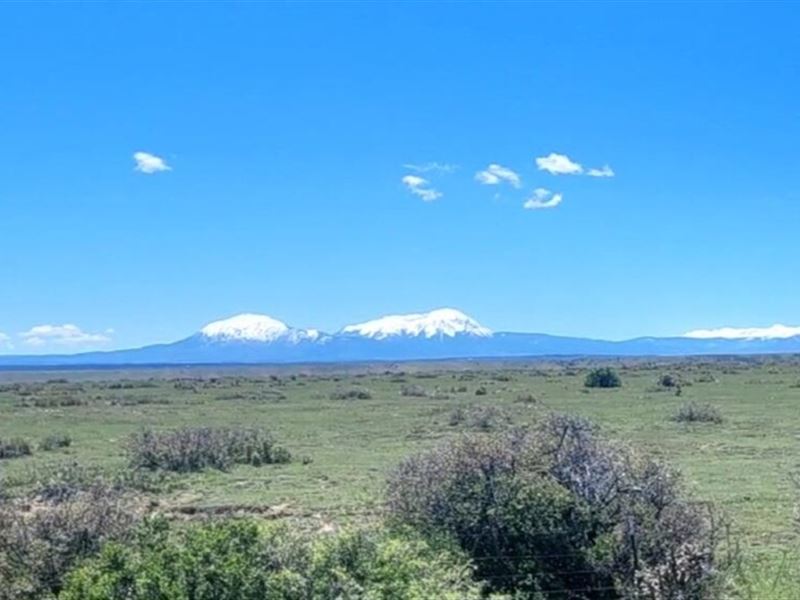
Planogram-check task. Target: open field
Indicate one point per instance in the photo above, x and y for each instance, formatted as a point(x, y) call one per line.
point(344, 443)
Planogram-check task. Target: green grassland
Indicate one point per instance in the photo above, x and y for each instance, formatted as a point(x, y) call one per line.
point(344, 447)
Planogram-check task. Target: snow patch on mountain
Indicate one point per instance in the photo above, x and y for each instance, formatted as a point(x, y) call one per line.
point(255, 328)
point(446, 322)
point(775, 332)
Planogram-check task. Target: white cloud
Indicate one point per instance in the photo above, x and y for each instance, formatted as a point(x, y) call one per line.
point(63, 335)
point(745, 333)
point(558, 164)
point(5, 341)
point(496, 174)
point(543, 198)
point(149, 163)
point(419, 186)
point(605, 171)
point(432, 166)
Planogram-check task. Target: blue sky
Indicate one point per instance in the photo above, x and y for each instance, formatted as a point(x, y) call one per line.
point(286, 128)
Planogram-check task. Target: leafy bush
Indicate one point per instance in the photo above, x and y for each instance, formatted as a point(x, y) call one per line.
point(44, 537)
point(238, 560)
point(559, 508)
point(197, 448)
point(14, 448)
point(695, 412)
point(668, 380)
point(54, 441)
point(603, 377)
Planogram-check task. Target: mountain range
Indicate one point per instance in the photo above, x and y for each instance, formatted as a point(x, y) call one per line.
point(440, 334)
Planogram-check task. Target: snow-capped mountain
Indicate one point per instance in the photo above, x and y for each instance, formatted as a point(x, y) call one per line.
point(255, 328)
point(444, 333)
point(774, 332)
point(447, 322)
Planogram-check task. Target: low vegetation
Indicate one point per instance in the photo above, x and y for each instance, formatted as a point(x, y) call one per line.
point(198, 448)
point(414, 391)
point(558, 509)
point(354, 393)
point(55, 441)
point(698, 412)
point(240, 560)
point(668, 380)
point(94, 465)
point(14, 448)
point(485, 418)
point(44, 536)
point(602, 377)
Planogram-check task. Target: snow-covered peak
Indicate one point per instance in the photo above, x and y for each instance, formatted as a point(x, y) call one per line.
point(442, 322)
point(775, 332)
point(254, 328)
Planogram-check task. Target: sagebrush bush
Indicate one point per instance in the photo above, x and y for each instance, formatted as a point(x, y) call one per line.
point(197, 448)
point(58, 401)
point(559, 508)
point(413, 390)
point(14, 448)
point(240, 560)
point(485, 418)
point(355, 393)
point(41, 538)
point(696, 412)
point(602, 377)
point(55, 441)
point(668, 380)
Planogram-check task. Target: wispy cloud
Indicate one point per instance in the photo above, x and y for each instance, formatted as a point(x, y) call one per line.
point(745, 333)
point(149, 163)
point(5, 341)
point(604, 171)
point(558, 164)
point(543, 198)
point(63, 335)
point(431, 167)
point(419, 186)
point(496, 174)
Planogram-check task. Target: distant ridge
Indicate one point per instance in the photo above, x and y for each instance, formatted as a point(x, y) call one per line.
point(443, 333)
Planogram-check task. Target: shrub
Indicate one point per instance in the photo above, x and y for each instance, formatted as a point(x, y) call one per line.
point(413, 390)
point(134, 400)
point(558, 508)
point(42, 538)
point(54, 441)
point(485, 418)
point(14, 448)
point(355, 393)
point(197, 448)
point(65, 481)
point(481, 391)
point(457, 416)
point(238, 560)
point(527, 398)
point(62, 481)
point(694, 412)
point(668, 381)
point(603, 377)
point(55, 401)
